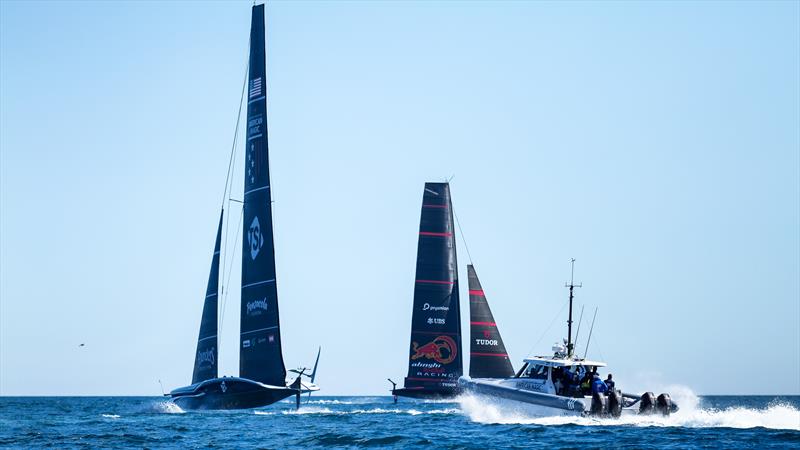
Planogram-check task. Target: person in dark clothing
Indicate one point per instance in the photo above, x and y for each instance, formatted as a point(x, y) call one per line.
point(586, 383)
point(609, 382)
point(598, 387)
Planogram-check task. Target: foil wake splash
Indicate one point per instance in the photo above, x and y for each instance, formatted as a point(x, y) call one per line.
point(777, 415)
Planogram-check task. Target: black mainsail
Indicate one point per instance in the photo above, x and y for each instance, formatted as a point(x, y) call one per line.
point(435, 352)
point(260, 356)
point(488, 356)
point(205, 360)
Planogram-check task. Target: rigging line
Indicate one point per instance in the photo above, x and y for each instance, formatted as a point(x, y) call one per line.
point(461, 232)
point(548, 328)
point(600, 352)
point(228, 279)
point(580, 321)
point(231, 167)
point(236, 130)
point(589, 341)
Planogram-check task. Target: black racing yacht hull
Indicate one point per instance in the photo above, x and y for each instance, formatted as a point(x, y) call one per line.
point(426, 393)
point(229, 393)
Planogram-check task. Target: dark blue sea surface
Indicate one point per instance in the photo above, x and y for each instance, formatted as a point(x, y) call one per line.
point(469, 422)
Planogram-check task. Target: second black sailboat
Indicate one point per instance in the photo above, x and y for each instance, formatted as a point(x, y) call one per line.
point(435, 363)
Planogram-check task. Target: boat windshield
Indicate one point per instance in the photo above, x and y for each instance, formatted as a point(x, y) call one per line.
point(535, 371)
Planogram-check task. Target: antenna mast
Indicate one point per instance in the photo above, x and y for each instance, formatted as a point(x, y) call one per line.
point(571, 285)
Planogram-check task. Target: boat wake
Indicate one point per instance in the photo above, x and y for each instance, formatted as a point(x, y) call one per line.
point(166, 407)
point(328, 411)
point(780, 416)
point(328, 402)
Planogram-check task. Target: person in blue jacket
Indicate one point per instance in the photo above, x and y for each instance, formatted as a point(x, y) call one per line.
point(598, 387)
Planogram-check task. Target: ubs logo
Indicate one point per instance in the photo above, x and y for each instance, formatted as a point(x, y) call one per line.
point(254, 238)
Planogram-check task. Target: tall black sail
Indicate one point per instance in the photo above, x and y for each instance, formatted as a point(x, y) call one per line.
point(205, 360)
point(435, 353)
point(488, 356)
point(260, 357)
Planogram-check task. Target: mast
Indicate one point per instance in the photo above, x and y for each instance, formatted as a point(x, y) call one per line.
point(571, 285)
point(260, 356)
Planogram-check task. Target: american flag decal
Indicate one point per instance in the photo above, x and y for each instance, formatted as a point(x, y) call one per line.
point(255, 87)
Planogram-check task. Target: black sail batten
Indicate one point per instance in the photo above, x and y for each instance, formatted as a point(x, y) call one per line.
point(206, 356)
point(435, 358)
point(488, 355)
point(260, 356)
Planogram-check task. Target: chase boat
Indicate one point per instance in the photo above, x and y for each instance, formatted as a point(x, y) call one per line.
point(544, 385)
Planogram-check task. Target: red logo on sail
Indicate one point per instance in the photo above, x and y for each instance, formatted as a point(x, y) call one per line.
point(443, 350)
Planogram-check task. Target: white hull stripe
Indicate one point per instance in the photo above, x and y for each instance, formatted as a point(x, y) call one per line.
point(209, 337)
point(254, 137)
point(211, 295)
point(256, 189)
point(257, 283)
point(256, 331)
point(257, 99)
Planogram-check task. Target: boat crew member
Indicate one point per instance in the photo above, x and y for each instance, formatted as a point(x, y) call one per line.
point(609, 382)
point(570, 382)
point(586, 383)
point(598, 387)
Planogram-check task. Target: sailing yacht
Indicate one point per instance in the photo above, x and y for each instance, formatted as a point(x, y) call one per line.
point(434, 361)
point(262, 373)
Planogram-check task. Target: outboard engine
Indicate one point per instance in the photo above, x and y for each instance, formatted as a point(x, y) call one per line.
point(614, 404)
point(647, 404)
point(664, 404)
point(599, 405)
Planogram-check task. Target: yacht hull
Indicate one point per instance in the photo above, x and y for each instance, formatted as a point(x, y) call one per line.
point(517, 394)
point(427, 393)
point(543, 404)
point(229, 393)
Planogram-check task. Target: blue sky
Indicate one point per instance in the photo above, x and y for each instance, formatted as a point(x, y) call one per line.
point(658, 143)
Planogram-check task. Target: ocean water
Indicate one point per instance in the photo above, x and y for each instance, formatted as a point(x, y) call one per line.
point(467, 422)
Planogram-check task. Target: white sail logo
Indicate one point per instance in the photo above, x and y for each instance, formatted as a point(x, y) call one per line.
point(428, 307)
point(254, 238)
point(256, 304)
point(206, 357)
